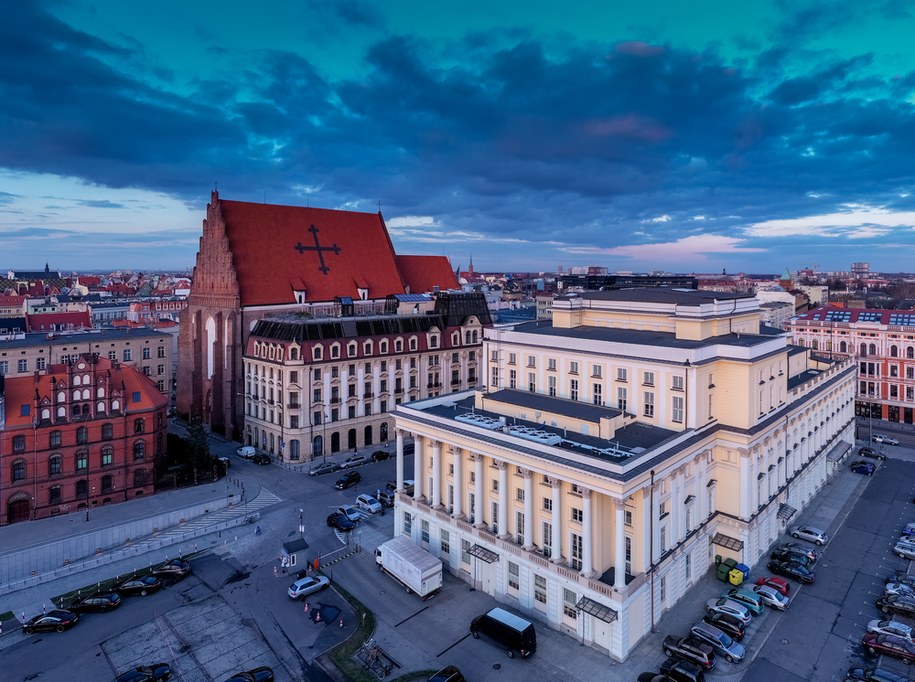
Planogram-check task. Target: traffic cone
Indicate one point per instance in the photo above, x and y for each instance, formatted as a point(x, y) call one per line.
point(341, 623)
point(317, 616)
point(306, 607)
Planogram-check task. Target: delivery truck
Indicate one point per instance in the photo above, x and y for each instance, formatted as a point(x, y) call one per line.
point(410, 565)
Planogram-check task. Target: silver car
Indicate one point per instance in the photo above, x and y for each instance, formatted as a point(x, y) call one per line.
point(730, 607)
point(890, 627)
point(904, 550)
point(720, 641)
point(772, 597)
point(810, 534)
point(899, 588)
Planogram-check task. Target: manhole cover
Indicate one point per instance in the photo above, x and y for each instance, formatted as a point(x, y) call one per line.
point(784, 641)
point(497, 666)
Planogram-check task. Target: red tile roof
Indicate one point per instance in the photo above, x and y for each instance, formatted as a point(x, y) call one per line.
point(44, 322)
point(423, 273)
point(279, 250)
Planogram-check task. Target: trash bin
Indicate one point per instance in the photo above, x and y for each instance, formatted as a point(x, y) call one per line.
point(730, 563)
point(744, 569)
point(722, 573)
point(735, 576)
point(718, 560)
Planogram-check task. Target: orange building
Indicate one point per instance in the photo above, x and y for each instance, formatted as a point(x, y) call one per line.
point(77, 435)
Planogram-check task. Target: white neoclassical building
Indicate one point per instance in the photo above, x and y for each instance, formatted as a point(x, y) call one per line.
point(616, 450)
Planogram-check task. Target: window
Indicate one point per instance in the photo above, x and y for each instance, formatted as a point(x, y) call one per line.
point(465, 550)
point(127, 355)
point(677, 409)
point(627, 517)
point(621, 374)
point(495, 518)
point(540, 589)
point(4, 367)
point(649, 405)
point(519, 494)
point(398, 345)
point(23, 365)
point(519, 528)
point(573, 389)
point(677, 383)
point(54, 439)
point(18, 470)
point(532, 382)
point(18, 443)
point(82, 489)
point(424, 531)
point(551, 364)
point(82, 435)
point(512, 378)
point(408, 524)
point(568, 604)
point(54, 495)
point(160, 352)
point(551, 385)
point(139, 451)
point(82, 459)
point(512, 359)
point(648, 378)
point(573, 367)
point(335, 351)
point(548, 504)
point(147, 353)
point(107, 431)
point(55, 465)
point(687, 565)
point(621, 401)
point(41, 363)
point(628, 550)
point(598, 394)
point(514, 578)
point(663, 541)
point(138, 426)
point(663, 588)
point(575, 559)
point(547, 542)
point(107, 456)
point(577, 515)
point(531, 361)
point(351, 350)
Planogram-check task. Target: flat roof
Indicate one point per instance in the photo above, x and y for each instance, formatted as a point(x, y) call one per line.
point(639, 336)
point(565, 407)
point(93, 336)
point(675, 295)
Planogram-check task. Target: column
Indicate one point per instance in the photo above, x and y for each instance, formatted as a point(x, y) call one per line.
point(399, 460)
point(619, 546)
point(587, 540)
point(503, 500)
point(647, 521)
point(678, 509)
point(528, 509)
point(458, 463)
point(436, 474)
point(753, 492)
point(556, 520)
point(744, 511)
point(418, 454)
point(478, 491)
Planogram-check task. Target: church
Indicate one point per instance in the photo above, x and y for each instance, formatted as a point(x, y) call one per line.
point(256, 261)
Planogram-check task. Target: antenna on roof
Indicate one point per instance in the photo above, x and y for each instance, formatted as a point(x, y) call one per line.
point(379, 205)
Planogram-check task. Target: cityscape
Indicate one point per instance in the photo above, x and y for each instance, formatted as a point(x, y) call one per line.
point(456, 350)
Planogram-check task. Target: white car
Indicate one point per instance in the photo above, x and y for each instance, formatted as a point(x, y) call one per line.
point(302, 587)
point(368, 503)
point(353, 461)
point(772, 597)
point(246, 452)
point(810, 534)
point(890, 627)
point(880, 438)
point(904, 550)
point(899, 588)
point(350, 512)
point(729, 607)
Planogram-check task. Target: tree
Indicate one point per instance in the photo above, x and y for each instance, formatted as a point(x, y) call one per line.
point(199, 447)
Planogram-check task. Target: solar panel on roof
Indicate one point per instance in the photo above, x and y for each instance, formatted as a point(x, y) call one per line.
point(902, 319)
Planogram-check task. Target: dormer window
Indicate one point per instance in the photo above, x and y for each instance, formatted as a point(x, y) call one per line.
point(413, 343)
point(352, 350)
point(363, 293)
point(398, 345)
point(317, 353)
point(335, 351)
point(383, 346)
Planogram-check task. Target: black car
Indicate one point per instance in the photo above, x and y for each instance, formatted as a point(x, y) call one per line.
point(57, 620)
point(874, 675)
point(727, 624)
point(144, 585)
point(146, 673)
point(348, 479)
point(679, 670)
point(380, 455)
point(792, 555)
point(449, 673)
point(895, 604)
point(798, 548)
point(261, 674)
point(261, 459)
point(173, 571)
point(106, 601)
point(870, 452)
point(340, 521)
point(792, 569)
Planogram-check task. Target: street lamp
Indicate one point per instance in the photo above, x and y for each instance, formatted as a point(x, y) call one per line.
point(301, 523)
point(324, 439)
point(87, 498)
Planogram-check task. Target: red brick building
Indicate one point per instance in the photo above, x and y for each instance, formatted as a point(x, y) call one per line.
point(260, 259)
point(87, 432)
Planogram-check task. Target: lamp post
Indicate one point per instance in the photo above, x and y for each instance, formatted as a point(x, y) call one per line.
point(324, 439)
point(301, 523)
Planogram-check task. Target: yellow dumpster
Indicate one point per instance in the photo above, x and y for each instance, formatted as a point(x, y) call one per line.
point(735, 576)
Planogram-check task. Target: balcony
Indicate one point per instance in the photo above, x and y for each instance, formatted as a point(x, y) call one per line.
point(432, 384)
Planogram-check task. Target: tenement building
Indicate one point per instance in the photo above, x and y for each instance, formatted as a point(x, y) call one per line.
point(319, 386)
point(883, 344)
point(616, 451)
point(258, 260)
point(75, 435)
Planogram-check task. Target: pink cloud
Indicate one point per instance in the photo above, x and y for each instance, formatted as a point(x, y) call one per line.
point(627, 126)
point(638, 48)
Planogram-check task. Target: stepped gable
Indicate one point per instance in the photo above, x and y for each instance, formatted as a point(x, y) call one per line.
point(281, 250)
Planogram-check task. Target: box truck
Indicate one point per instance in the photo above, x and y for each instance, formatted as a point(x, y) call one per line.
point(410, 565)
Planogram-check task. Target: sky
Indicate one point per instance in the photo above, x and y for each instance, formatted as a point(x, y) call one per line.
point(663, 135)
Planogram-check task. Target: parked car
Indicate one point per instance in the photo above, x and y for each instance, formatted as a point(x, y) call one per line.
point(810, 534)
point(890, 627)
point(679, 670)
point(323, 468)
point(862, 467)
point(246, 452)
point(904, 550)
point(57, 620)
point(726, 623)
point(906, 540)
point(449, 673)
point(899, 588)
point(173, 571)
point(798, 548)
point(772, 597)
point(106, 601)
point(792, 555)
point(880, 438)
point(792, 569)
point(261, 674)
point(142, 586)
point(380, 455)
point(891, 646)
point(690, 649)
point(302, 587)
point(722, 643)
point(386, 498)
point(909, 529)
point(261, 458)
point(896, 604)
point(348, 479)
point(340, 522)
point(368, 503)
point(748, 598)
point(350, 512)
point(870, 452)
point(902, 577)
point(731, 608)
point(155, 672)
point(775, 583)
point(355, 460)
point(873, 675)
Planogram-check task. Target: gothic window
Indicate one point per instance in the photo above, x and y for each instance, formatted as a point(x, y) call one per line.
point(82, 435)
point(55, 439)
point(139, 426)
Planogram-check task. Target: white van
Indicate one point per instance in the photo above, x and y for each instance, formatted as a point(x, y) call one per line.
point(246, 452)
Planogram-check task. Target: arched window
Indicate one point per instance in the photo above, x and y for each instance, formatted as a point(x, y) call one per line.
point(86, 380)
point(456, 339)
point(45, 414)
point(139, 478)
point(398, 345)
point(18, 470)
point(801, 343)
point(76, 394)
point(100, 407)
point(100, 392)
point(293, 353)
point(815, 344)
point(317, 447)
point(107, 458)
point(467, 336)
point(383, 346)
point(294, 450)
point(55, 465)
point(335, 351)
point(351, 350)
point(894, 352)
point(61, 397)
point(139, 451)
point(77, 380)
point(412, 343)
point(351, 439)
point(476, 336)
point(82, 435)
point(115, 405)
point(843, 347)
point(86, 394)
point(61, 412)
point(139, 425)
point(317, 353)
point(367, 434)
point(872, 349)
point(863, 350)
point(367, 348)
point(910, 352)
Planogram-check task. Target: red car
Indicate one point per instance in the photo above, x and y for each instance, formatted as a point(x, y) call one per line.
point(890, 645)
point(776, 583)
